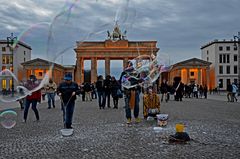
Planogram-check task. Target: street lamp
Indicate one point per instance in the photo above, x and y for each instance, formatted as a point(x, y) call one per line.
point(10, 43)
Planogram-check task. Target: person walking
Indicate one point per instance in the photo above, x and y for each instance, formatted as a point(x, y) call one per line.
point(50, 90)
point(67, 91)
point(164, 91)
point(229, 92)
point(107, 83)
point(115, 87)
point(100, 92)
point(33, 98)
point(234, 92)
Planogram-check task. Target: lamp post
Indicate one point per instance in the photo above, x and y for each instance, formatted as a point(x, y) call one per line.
point(237, 40)
point(10, 43)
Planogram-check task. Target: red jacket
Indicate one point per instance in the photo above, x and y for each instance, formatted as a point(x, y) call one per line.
point(35, 96)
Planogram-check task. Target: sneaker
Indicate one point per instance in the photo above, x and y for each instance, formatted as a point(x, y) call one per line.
point(129, 121)
point(24, 121)
point(137, 120)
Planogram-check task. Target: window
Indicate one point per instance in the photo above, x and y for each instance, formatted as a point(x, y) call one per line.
point(207, 52)
point(7, 59)
point(3, 49)
point(235, 57)
point(3, 59)
point(4, 84)
point(220, 69)
point(24, 52)
point(235, 69)
point(228, 48)
point(228, 58)
point(220, 58)
point(228, 81)
point(24, 59)
point(40, 74)
point(207, 59)
point(234, 48)
point(228, 70)
point(220, 83)
point(191, 73)
point(224, 58)
point(220, 48)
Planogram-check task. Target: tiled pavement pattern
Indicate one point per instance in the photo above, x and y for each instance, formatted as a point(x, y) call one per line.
point(212, 124)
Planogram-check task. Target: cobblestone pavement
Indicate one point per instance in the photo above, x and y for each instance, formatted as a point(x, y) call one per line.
point(213, 125)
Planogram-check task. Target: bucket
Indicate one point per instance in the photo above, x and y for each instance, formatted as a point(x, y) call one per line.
point(66, 132)
point(179, 128)
point(162, 119)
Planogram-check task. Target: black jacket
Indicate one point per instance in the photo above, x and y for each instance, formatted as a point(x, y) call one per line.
point(67, 89)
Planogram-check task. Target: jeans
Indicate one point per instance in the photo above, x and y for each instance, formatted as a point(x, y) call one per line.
point(51, 99)
point(101, 99)
point(34, 108)
point(68, 113)
point(136, 107)
point(107, 97)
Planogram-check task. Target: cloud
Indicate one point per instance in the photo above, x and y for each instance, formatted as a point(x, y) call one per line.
point(180, 27)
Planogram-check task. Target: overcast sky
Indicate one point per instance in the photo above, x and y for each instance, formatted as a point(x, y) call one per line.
point(181, 27)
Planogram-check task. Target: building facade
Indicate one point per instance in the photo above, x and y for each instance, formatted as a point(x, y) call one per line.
point(11, 58)
point(224, 58)
point(40, 67)
point(191, 71)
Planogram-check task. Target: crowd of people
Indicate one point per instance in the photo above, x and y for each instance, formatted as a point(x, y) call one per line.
point(111, 89)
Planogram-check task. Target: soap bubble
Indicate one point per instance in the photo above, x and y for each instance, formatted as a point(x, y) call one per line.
point(72, 26)
point(8, 119)
point(145, 70)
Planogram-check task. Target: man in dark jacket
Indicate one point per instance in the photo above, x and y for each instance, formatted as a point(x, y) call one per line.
point(107, 89)
point(100, 92)
point(67, 91)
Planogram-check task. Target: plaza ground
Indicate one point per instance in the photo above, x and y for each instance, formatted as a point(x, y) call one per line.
point(212, 123)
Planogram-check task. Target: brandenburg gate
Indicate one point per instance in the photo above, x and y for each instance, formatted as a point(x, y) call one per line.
point(116, 47)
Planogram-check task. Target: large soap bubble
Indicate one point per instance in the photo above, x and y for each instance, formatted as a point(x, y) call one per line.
point(74, 24)
point(144, 70)
point(8, 119)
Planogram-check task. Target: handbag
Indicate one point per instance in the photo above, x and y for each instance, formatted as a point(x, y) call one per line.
point(119, 93)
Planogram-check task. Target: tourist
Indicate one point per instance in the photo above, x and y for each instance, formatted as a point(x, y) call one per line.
point(100, 92)
point(88, 91)
point(234, 92)
point(67, 91)
point(115, 87)
point(164, 90)
point(205, 90)
point(50, 90)
point(33, 98)
point(229, 91)
point(131, 94)
point(107, 83)
point(151, 104)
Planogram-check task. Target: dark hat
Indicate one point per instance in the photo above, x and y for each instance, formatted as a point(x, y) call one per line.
point(32, 77)
point(68, 77)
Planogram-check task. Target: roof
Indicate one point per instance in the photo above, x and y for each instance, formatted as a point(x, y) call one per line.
point(19, 43)
point(193, 62)
point(217, 42)
point(41, 62)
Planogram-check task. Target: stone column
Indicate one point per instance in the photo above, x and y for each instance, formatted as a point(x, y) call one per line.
point(33, 72)
point(107, 66)
point(93, 69)
point(125, 61)
point(80, 70)
point(208, 77)
point(199, 76)
point(188, 76)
